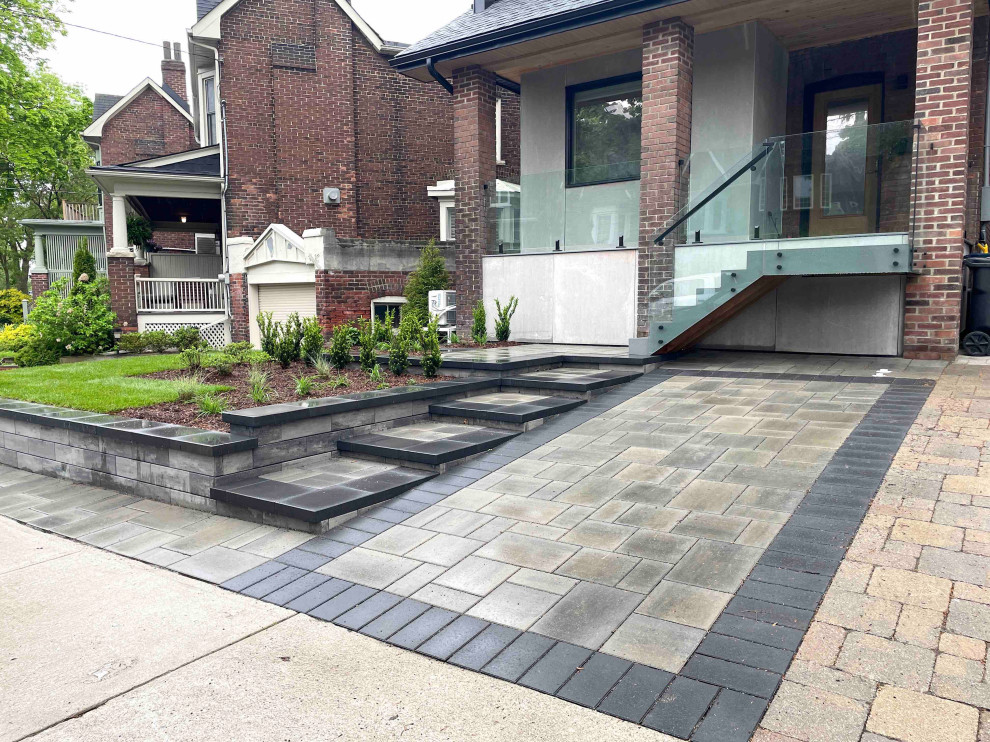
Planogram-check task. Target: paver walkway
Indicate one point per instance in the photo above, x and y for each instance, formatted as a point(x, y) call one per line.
point(662, 530)
point(898, 649)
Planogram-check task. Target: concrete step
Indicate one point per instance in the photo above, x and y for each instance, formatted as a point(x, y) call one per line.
point(509, 410)
point(431, 443)
point(321, 492)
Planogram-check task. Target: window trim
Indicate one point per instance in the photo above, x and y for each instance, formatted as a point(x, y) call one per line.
point(498, 132)
point(571, 91)
point(202, 78)
point(446, 205)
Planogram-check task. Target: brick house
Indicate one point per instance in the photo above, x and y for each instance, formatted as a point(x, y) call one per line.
point(150, 164)
point(302, 174)
point(329, 153)
point(762, 175)
point(133, 134)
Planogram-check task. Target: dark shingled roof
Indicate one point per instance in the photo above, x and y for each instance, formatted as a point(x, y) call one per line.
point(500, 15)
point(103, 103)
point(205, 6)
point(208, 164)
point(175, 96)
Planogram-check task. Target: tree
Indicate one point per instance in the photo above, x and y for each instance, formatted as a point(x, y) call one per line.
point(42, 157)
point(430, 275)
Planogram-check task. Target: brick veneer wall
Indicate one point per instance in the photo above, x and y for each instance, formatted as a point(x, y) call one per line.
point(343, 296)
point(310, 104)
point(404, 143)
point(474, 157)
point(240, 316)
point(668, 71)
point(942, 104)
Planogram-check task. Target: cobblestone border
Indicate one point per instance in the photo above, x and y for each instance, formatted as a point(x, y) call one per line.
point(722, 692)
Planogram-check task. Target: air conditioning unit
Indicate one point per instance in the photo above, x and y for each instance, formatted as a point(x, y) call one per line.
point(442, 305)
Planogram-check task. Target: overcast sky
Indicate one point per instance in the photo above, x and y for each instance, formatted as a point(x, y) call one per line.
point(104, 64)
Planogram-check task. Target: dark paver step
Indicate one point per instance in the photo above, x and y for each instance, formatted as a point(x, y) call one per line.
point(427, 443)
point(310, 502)
point(572, 380)
point(505, 408)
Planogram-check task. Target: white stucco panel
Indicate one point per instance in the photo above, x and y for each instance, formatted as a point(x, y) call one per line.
point(530, 279)
point(582, 297)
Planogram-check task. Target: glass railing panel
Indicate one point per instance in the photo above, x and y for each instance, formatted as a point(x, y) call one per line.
point(848, 179)
point(594, 208)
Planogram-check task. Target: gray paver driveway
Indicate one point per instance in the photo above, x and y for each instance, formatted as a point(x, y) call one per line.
point(633, 531)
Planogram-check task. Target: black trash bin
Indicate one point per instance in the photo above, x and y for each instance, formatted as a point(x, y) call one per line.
point(976, 341)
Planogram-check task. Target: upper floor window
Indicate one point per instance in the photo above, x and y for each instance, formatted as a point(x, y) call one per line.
point(208, 103)
point(604, 121)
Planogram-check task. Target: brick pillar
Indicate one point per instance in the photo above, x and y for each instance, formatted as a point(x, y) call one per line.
point(121, 270)
point(474, 162)
point(240, 320)
point(942, 100)
point(40, 283)
point(240, 316)
point(668, 71)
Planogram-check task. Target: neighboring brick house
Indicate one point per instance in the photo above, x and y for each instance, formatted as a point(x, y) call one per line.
point(150, 121)
point(302, 93)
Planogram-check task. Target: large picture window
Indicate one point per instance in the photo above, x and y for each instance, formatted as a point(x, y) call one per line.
point(604, 122)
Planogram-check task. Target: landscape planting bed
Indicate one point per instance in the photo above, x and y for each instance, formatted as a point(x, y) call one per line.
point(282, 385)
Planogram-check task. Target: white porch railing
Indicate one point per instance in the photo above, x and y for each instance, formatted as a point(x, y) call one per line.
point(180, 295)
point(82, 212)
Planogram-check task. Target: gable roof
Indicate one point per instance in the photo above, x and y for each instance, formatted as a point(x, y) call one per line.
point(95, 129)
point(208, 24)
point(102, 102)
point(510, 21)
point(205, 6)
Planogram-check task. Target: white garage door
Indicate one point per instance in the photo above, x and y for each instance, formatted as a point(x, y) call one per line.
point(285, 298)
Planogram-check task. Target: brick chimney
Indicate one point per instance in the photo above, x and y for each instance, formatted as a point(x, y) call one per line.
point(174, 69)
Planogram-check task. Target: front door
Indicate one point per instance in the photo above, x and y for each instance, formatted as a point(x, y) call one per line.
point(844, 164)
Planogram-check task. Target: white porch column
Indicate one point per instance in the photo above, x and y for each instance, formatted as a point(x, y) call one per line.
point(119, 222)
point(39, 254)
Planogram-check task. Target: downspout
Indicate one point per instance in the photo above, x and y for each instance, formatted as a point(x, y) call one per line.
point(224, 257)
point(444, 82)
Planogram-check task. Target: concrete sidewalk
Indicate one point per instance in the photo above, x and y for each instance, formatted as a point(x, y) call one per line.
point(95, 646)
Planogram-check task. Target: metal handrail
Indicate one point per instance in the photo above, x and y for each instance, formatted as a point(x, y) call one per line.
point(767, 146)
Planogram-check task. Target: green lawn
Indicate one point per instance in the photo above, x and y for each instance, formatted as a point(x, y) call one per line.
point(101, 386)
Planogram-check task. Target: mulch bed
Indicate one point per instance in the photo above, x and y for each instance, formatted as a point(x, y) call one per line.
point(283, 385)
